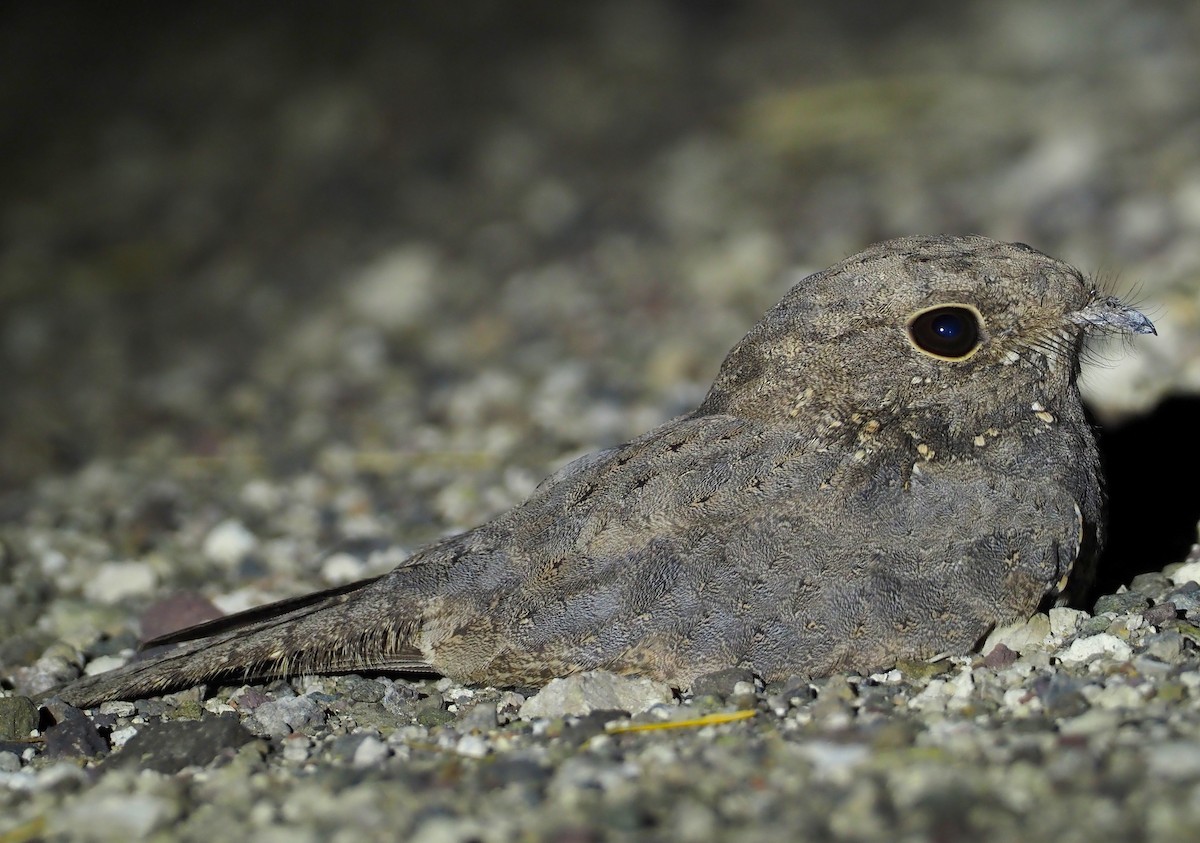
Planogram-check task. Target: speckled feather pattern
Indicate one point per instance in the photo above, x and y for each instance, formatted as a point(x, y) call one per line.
point(840, 499)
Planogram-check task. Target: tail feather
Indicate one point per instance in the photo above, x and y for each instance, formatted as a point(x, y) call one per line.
point(345, 629)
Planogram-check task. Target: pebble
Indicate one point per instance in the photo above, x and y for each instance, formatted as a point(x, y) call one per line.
point(118, 708)
point(175, 612)
point(1188, 572)
point(834, 760)
point(1122, 601)
point(283, 716)
point(342, 568)
point(114, 582)
point(73, 735)
point(431, 711)
point(229, 542)
point(170, 746)
point(370, 752)
point(1178, 760)
point(18, 718)
point(722, 684)
point(113, 814)
point(1086, 649)
point(1021, 637)
point(596, 690)
point(1065, 621)
point(472, 746)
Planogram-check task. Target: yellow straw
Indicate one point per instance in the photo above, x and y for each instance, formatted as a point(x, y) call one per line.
point(693, 722)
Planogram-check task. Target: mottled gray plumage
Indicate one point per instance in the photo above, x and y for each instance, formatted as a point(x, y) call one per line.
point(841, 498)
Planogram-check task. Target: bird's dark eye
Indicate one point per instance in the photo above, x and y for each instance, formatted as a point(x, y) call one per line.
point(950, 331)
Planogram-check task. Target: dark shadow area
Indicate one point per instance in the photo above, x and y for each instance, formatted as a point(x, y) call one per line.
point(1152, 464)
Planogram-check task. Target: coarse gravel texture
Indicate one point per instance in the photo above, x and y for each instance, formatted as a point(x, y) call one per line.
point(285, 296)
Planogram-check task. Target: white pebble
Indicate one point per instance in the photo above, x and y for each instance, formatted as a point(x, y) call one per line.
point(1085, 649)
point(341, 568)
point(1188, 572)
point(472, 746)
point(229, 542)
point(1021, 637)
point(1064, 621)
point(595, 690)
point(103, 664)
point(370, 752)
point(395, 291)
point(116, 581)
point(121, 736)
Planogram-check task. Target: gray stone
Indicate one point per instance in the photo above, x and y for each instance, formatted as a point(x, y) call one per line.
point(720, 683)
point(18, 717)
point(170, 746)
point(289, 714)
point(1126, 601)
point(431, 711)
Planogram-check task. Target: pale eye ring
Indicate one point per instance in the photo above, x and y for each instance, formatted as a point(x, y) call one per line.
point(947, 331)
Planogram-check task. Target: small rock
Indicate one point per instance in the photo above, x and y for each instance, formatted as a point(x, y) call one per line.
point(744, 696)
point(1186, 597)
point(1187, 572)
point(430, 711)
point(396, 290)
point(1065, 622)
point(281, 717)
point(1000, 656)
point(24, 648)
point(791, 692)
point(834, 759)
point(1160, 614)
point(1117, 695)
point(1126, 601)
point(18, 717)
point(1178, 760)
point(472, 746)
point(169, 746)
point(1153, 584)
point(118, 708)
point(480, 717)
point(401, 701)
point(122, 736)
point(73, 734)
point(229, 543)
point(370, 751)
point(596, 690)
point(1164, 646)
point(581, 729)
point(116, 581)
point(96, 815)
point(103, 664)
point(1085, 649)
point(362, 690)
point(1061, 696)
point(296, 748)
point(505, 771)
point(1022, 636)
point(176, 612)
point(508, 708)
point(1090, 626)
point(342, 568)
point(1094, 721)
point(721, 683)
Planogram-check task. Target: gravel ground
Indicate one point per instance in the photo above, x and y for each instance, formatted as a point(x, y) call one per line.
point(282, 298)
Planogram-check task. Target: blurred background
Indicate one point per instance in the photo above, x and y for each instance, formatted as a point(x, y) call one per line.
point(275, 278)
